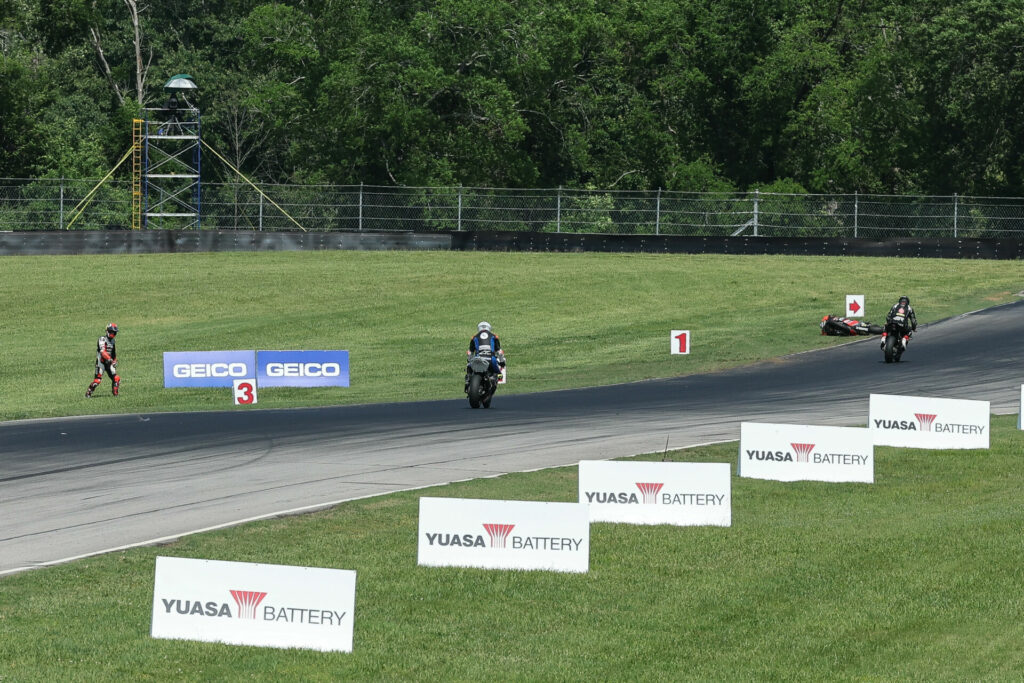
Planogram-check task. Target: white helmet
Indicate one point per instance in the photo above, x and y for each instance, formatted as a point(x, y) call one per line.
point(483, 326)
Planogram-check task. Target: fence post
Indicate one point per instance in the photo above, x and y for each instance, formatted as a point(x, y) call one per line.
point(956, 214)
point(558, 210)
point(657, 214)
point(757, 199)
point(261, 211)
point(856, 208)
point(460, 207)
point(360, 207)
point(60, 218)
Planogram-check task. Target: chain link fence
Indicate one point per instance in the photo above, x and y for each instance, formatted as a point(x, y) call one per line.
point(65, 204)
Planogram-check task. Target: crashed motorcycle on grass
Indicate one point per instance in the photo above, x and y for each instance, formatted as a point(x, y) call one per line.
point(837, 326)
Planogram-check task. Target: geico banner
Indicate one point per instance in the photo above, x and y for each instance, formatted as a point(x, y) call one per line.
point(919, 422)
point(681, 493)
point(785, 452)
point(302, 369)
point(241, 603)
point(207, 368)
point(503, 534)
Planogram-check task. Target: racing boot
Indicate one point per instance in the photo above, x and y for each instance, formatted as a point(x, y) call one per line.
point(92, 388)
point(116, 386)
point(882, 345)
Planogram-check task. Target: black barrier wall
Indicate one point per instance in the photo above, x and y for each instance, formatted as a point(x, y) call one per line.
point(192, 241)
point(168, 241)
point(673, 244)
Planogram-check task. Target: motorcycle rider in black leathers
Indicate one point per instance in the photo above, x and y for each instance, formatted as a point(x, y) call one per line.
point(486, 344)
point(106, 359)
point(902, 314)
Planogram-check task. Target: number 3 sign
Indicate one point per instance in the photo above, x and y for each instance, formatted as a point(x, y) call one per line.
point(244, 391)
point(680, 342)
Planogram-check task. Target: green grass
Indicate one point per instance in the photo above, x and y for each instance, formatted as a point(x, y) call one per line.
point(566, 320)
point(915, 577)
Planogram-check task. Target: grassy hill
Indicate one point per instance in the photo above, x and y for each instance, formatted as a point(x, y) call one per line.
point(566, 320)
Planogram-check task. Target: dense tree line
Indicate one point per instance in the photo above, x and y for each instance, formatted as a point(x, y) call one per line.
point(919, 96)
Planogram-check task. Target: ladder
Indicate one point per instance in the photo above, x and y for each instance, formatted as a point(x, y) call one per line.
point(137, 141)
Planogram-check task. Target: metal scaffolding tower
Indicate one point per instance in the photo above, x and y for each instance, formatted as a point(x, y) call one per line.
point(168, 176)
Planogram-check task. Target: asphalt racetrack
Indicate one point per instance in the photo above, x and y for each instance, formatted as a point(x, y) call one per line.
point(78, 486)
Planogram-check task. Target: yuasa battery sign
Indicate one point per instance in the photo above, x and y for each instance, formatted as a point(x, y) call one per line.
point(924, 422)
point(207, 368)
point(680, 493)
point(502, 534)
point(241, 603)
point(786, 452)
point(302, 369)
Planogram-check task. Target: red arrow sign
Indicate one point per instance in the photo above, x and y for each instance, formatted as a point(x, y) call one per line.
point(854, 306)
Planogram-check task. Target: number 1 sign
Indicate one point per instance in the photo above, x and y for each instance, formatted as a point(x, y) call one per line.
point(680, 342)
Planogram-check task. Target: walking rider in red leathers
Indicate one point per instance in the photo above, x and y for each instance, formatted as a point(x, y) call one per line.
point(106, 359)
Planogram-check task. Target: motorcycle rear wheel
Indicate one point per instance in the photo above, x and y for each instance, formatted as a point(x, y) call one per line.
point(475, 390)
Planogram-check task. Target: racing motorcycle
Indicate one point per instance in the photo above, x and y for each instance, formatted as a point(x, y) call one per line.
point(893, 341)
point(481, 382)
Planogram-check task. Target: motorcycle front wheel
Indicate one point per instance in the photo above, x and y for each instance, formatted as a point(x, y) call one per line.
point(890, 348)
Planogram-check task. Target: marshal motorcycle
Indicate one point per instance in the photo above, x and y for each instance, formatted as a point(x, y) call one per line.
point(481, 382)
point(895, 336)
